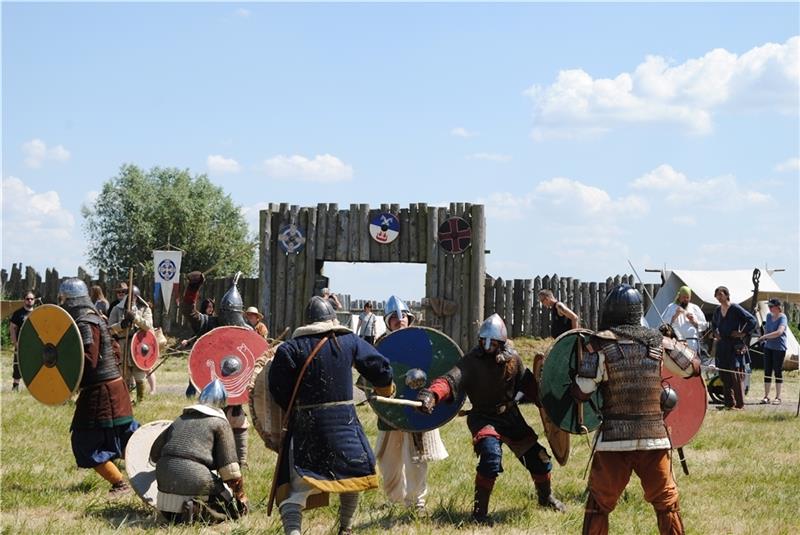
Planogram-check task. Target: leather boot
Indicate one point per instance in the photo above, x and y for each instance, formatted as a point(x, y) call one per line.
point(545, 496)
point(139, 391)
point(480, 505)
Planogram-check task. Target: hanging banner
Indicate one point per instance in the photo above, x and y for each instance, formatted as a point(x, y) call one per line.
point(167, 267)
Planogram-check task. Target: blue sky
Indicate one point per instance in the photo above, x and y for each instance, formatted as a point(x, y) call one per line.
point(667, 133)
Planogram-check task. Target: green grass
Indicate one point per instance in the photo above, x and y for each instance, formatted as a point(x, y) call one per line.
point(744, 477)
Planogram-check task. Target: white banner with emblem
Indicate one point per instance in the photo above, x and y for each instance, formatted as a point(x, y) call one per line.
point(167, 267)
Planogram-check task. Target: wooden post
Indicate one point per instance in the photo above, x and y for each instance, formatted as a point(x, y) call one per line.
point(405, 235)
point(265, 264)
point(432, 256)
point(413, 226)
point(500, 298)
point(394, 247)
point(519, 307)
point(423, 233)
point(363, 231)
point(488, 296)
point(322, 230)
point(536, 314)
point(332, 228)
point(527, 307)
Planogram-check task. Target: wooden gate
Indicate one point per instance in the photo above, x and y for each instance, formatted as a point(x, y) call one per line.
point(454, 291)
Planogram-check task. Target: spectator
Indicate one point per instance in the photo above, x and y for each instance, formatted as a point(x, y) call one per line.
point(774, 339)
point(332, 298)
point(15, 324)
point(732, 324)
point(562, 319)
point(366, 324)
point(686, 318)
point(254, 317)
point(99, 300)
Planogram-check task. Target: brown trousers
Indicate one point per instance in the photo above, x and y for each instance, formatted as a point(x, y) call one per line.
point(733, 387)
point(610, 474)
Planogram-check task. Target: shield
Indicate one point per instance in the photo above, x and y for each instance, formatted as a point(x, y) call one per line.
point(384, 227)
point(228, 354)
point(265, 413)
point(556, 437)
point(684, 421)
point(50, 354)
point(144, 350)
point(141, 471)
point(558, 371)
point(291, 239)
point(455, 235)
point(418, 355)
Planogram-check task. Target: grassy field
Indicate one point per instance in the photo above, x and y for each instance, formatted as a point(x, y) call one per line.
point(744, 477)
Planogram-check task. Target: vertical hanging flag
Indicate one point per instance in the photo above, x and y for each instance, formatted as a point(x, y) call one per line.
point(167, 266)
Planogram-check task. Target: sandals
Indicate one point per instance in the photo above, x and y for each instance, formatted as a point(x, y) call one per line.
point(776, 401)
point(765, 401)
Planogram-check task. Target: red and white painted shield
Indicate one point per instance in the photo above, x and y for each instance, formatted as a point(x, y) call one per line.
point(144, 350)
point(228, 354)
point(684, 421)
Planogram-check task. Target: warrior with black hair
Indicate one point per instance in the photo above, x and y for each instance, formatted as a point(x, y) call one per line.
point(492, 375)
point(623, 360)
point(103, 420)
point(229, 313)
point(324, 449)
point(197, 469)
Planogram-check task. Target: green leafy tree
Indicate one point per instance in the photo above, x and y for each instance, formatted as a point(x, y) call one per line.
point(137, 212)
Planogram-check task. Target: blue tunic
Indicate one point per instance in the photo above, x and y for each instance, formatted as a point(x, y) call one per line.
point(737, 319)
point(330, 450)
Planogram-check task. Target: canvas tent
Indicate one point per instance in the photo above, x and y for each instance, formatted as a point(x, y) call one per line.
point(740, 284)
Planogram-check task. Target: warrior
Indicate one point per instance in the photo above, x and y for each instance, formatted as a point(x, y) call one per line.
point(123, 323)
point(624, 361)
point(229, 313)
point(492, 375)
point(324, 449)
point(197, 470)
point(403, 457)
point(103, 420)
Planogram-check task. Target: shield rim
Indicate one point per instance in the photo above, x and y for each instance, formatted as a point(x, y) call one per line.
point(282, 244)
point(128, 466)
point(371, 223)
point(245, 396)
point(705, 405)
point(586, 404)
point(73, 325)
point(457, 403)
point(549, 427)
point(134, 356)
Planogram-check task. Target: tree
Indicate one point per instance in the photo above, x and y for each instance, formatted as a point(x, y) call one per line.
point(137, 212)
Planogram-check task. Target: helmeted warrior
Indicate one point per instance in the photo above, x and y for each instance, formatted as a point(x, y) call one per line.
point(123, 323)
point(492, 375)
point(402, 456)
point(228, 313)
point(103, 420)
point(624, 361)
point(197, 469)
point(324, 449)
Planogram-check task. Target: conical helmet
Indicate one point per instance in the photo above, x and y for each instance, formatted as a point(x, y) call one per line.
point(319, 309)
point(493, 328)
point(214, 395)
point(395, 305)
point(231, 306)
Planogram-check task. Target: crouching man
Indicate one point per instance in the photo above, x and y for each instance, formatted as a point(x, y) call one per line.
point(197, 469)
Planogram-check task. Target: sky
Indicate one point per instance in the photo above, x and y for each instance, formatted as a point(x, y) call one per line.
point(594, 134)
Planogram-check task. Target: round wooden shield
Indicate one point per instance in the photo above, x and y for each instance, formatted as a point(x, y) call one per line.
point(141, 472)
point(685, 420)
point(455, 235)
point(384, 227)
point(50, 354)
point(144, 350)
point(556, 437)
point(424, 349)
point(558, 371)
point(241, 345)
point(291, 239)
point(267, 415)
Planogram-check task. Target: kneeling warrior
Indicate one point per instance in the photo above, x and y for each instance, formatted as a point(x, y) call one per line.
point(624, 361)
point(491, 375)
point(230, 313)
point(103, 420)
point(197, 470)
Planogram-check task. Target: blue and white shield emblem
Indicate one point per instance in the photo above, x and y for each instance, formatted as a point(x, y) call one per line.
point(291, 239)
point(384, 227)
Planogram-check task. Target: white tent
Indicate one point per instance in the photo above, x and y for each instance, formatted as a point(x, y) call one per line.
point(740, 284)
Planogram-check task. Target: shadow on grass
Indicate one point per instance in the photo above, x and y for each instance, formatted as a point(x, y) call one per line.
point(442, 517)
point(124, 514)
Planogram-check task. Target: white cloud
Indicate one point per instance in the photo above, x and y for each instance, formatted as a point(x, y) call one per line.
point(37, 229)
point(723, 193)
point(790, 165)
point(219, 164)
point(490, 157)
point(577, 105)
point(323, 168)
point(462, 132)
point(588, 200)
point(242, 12)
point(36, 153)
